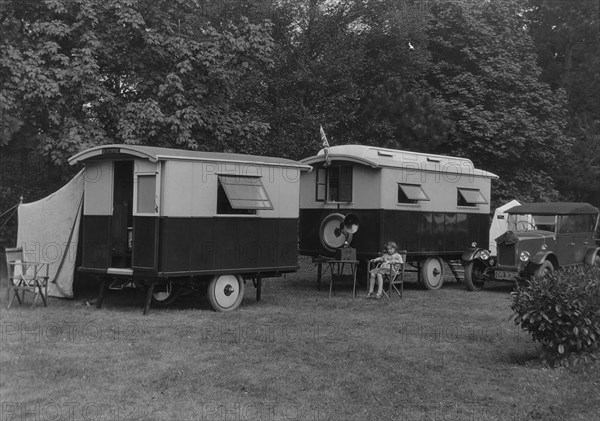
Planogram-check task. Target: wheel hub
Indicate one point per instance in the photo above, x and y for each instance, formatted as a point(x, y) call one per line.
point(228, 290)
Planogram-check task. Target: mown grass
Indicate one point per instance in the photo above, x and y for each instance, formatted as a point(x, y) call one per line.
point(295, 355)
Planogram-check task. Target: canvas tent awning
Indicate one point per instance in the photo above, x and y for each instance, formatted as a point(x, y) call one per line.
point(49, 232)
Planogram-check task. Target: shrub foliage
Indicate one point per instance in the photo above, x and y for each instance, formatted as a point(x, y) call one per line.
point(561, 310)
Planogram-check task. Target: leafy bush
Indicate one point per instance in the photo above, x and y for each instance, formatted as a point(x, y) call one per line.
point(561, 310)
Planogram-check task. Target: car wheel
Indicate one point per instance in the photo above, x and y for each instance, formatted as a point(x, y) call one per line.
point(225, 292)
point(546, 268)
point(596, 261)
point(474, 279)
point(432, 273)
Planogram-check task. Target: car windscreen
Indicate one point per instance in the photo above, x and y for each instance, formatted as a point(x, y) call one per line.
point(531, 222)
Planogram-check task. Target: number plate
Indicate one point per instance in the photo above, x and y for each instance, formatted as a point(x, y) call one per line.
point(505, 275)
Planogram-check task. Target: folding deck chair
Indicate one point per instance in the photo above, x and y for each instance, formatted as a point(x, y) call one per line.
point(394, 277)
point(25, 277)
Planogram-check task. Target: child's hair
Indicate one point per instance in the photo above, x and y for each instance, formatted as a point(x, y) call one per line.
point(391, 244)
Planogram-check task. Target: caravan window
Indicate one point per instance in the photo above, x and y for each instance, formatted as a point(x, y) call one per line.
point(146, 193)
point(334, 184)
point(321, 190)
point(339, 183)
point(411, 193)
point(469, 197)
point(241, 195)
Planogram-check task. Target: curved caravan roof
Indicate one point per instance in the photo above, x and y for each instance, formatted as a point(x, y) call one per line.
point(377, 157)
point(155, 154)
point(556, 208)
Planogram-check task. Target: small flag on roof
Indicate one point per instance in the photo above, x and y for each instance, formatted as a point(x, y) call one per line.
point(325, 145)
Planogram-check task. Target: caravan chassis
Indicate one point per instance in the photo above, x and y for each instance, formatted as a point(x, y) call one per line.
point(169, 288)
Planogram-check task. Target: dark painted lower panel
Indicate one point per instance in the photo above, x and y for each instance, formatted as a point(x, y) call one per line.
point(145, 246)
point(196, 246)
point(223, 243)
point(420, 233)
point(95, 241)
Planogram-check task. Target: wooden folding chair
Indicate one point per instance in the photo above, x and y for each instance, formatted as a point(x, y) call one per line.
point(394, 277)
point(25, 277)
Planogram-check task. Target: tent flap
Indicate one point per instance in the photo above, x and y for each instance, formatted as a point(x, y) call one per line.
point(49, 232)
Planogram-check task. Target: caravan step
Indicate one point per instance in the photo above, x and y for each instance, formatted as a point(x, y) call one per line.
point(119, 271)
point(457, 268)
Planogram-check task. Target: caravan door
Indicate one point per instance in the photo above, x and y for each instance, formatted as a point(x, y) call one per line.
point(122, 216)
point(146, 193)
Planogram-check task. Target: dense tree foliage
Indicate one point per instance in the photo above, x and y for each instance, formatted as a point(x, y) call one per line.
point(567, 37)
point(77, 73)
point(505, 118)
point(347, 66)
point(511, 84)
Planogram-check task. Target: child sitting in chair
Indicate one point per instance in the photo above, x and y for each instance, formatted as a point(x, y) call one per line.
point(390, 258)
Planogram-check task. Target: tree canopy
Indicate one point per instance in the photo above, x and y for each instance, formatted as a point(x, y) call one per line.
point(78, 73)
point(505, 118)
point(567, 39)
point(511, 84)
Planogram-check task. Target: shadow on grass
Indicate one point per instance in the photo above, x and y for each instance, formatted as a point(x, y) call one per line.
point(525, 355)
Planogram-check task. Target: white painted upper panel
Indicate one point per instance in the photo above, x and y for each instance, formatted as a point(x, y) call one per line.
point(190, 187)
point(98, 185)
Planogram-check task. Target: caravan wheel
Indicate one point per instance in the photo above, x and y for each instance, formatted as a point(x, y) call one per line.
point(165, 294)
point(225, 292)
point(432, 273)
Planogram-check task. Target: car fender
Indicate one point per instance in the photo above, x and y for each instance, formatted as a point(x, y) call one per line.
point(472, 254)
point(540, 257)
point(469, 255)
point(590, 255)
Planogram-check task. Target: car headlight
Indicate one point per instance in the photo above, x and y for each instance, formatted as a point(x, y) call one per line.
point(524, 256)
point(474, 244)
point(484, 254)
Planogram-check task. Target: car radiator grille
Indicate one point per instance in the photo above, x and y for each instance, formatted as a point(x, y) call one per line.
point(506, 255)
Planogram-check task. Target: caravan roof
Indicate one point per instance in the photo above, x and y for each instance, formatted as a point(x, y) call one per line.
point(377, 157)
point(154, 154)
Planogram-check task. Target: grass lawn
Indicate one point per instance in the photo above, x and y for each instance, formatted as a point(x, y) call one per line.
point(295, 355)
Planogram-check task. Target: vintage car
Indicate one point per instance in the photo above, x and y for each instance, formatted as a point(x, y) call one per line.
point(541, 237)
